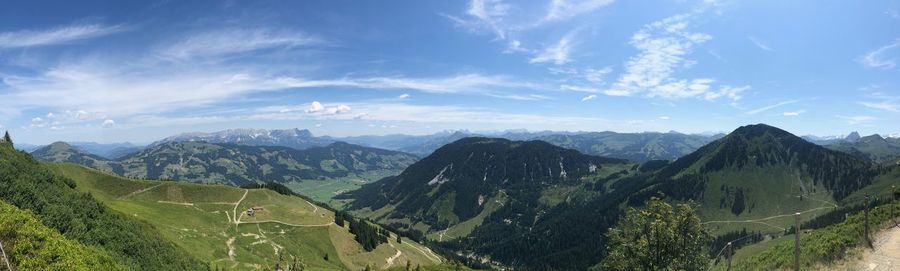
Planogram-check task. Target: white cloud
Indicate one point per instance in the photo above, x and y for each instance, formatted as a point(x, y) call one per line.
point(108, 123)
point(768, 107)
point(597, 75)
point(318, 125)
point(793, 113)
point(515, 46)
point(233, 41)
point(557, 54)
point(579, 88)
point(486, 15)
point(854, 120)
point(588, 98)
point(50, 115)
point(317, 108)
point(884, 101)
point(497, 17)
point(403, 96)
point(105, 88)
point(664, 117)
point(881, 58)
point(892, 106)
point(527, 97)
point(759, 44)
point(82, 115)
point(565, 9)
point(58, 35)
point(664, 46)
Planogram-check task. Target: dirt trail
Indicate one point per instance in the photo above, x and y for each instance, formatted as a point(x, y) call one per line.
point(237, 220)
point(139, 191)
point(886, 254)
point(390, 260)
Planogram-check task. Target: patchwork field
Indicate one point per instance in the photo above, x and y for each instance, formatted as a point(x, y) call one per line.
point(213, 224)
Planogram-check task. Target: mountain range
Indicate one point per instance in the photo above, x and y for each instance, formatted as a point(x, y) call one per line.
point(532, 205)
point(235, 164)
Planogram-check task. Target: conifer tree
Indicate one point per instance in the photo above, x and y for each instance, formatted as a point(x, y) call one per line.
point(7, 138)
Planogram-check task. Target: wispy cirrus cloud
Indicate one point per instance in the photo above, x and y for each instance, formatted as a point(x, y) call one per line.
point(854, 120)
point(769, 107)
point(793, 113)
point(557, 53)
point(495, 16)
point(759, 44)
point(57, 35)
point(109, 90)
point(485, 16)
point(232, 41)
point(565, 9)
point(589, 97)
point(881, 58)
point(884, 102)
point(664, 46)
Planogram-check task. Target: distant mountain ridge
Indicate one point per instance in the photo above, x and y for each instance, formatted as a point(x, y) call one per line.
point(873, 148)
point(632, 146)
point(292, 138)
point(235, 164)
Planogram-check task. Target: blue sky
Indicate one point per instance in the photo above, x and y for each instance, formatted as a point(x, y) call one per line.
point(112, 71)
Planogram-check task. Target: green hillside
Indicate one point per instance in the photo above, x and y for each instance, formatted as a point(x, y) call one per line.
point(28, 185)
point(29, 245)
point(211, 223)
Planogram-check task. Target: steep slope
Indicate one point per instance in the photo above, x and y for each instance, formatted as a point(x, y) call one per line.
point(213, 224)
point(462, 182)
point(873, 148)
point(30, 245)
point(291, 138)
point(29, 185)
point(639, 147)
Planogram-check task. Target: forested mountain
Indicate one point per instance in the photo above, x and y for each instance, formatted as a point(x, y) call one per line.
point(236, 164)
point(638, 147)
point(477, 182)
point(26, 184)
point(873, 148)
point(754, 172)
point(291, 138)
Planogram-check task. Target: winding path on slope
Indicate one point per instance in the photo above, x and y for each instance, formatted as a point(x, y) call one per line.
point(886, 253)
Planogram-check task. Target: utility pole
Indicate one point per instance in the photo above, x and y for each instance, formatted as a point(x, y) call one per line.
point(729, 255)
point(797, 241)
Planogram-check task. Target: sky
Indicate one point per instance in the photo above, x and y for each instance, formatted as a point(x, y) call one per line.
point(114, 71)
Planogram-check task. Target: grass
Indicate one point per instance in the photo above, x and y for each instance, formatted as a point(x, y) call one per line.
point(200, 218)
point(325, 190)
point(818, 247)
point(773, 191)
